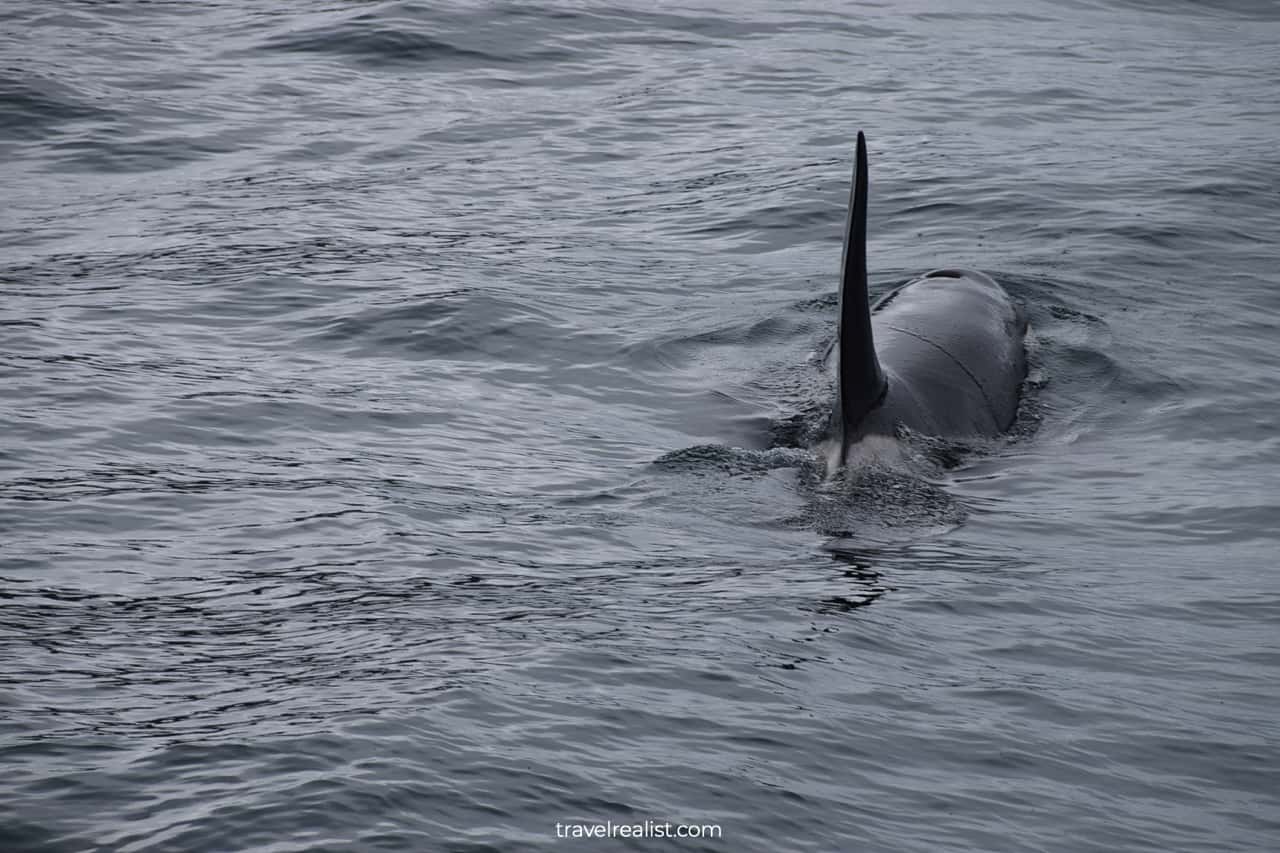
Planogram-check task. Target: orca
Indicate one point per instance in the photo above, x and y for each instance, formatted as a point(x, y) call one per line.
point(943, 355)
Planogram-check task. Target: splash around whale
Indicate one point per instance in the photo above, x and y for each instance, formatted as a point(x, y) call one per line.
point(943, 355)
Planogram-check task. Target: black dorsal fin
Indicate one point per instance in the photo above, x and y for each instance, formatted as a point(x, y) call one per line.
point(862, 383)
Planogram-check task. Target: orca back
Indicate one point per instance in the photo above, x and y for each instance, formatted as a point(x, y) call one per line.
point(952, 349)
point(942, 355)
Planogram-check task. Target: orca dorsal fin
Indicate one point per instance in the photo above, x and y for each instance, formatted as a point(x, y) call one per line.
point(862, 383)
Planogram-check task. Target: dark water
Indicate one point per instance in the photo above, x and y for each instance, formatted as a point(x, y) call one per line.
point(405, 411)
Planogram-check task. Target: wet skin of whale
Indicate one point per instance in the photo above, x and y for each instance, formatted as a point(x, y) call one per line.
point(943, 355)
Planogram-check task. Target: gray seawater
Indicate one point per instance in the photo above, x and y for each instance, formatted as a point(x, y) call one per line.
point(406, 409)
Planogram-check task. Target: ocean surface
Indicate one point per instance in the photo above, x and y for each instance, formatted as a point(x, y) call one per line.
point(408, 410)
